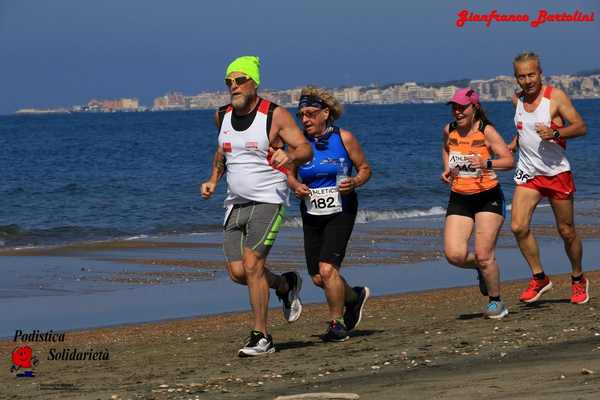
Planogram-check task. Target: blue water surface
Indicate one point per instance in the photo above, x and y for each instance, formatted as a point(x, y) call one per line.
point(78, 177)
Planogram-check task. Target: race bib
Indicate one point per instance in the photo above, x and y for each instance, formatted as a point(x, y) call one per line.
point(521, 177)
point(459, 162)
point(324, 201)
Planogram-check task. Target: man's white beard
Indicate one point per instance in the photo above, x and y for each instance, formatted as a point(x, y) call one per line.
point(240, 102)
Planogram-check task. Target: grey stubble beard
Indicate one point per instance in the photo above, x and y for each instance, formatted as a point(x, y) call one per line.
point(240, 102)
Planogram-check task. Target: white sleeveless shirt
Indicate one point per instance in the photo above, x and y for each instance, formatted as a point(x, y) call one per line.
point(250, 176)
point(536, 155)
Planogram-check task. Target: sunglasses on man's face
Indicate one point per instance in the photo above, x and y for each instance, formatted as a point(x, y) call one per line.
point(239, 81)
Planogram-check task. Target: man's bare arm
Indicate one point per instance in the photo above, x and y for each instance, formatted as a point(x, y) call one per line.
point(577, 126)
point(208, 187)
point(284, 126)
point(218, 164)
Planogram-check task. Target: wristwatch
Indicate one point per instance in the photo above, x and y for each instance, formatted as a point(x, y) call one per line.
point(556, 134)
point(488, 164)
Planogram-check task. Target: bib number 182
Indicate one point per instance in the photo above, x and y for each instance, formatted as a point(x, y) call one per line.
point(324, 201)
point(321, 202)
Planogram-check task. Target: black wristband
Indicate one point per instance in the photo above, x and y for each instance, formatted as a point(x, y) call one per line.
point(556, 134)
point(488, 164)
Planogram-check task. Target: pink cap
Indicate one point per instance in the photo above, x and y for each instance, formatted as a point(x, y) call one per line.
point(464, 97)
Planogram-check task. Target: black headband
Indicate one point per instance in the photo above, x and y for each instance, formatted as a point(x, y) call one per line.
point(311, 101)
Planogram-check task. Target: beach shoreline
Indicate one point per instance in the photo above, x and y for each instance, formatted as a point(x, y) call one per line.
point(432, 344)
point(423, 334)
point(88, 285)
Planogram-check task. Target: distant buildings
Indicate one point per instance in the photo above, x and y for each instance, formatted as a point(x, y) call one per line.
point(171, 101)
point(500, 88)
point(124, 104)
point(94, 105)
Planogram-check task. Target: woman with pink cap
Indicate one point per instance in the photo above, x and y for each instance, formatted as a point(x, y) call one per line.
point(472, 150)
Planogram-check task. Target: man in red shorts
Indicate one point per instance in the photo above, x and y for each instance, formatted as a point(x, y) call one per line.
point(544, 171)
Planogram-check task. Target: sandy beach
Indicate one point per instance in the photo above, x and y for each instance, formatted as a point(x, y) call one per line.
point(419, 344)
point(413, 346)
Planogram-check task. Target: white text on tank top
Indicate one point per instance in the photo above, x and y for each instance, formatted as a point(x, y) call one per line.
point(250, 177)
point(536, 155)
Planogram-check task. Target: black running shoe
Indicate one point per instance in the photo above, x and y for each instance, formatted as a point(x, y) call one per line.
point(336, 332)
point(257, 344)
point(292, 306)
point(482, 285)
point(353, 312)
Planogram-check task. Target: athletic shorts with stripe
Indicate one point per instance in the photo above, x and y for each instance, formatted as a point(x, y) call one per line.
point(468, 205)
point(253, 225)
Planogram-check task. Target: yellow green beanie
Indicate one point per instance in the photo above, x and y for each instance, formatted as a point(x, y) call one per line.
point(249, 65)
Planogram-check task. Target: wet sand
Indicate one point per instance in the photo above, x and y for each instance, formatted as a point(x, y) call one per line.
point(112, 245)
point(368, 246)
point(432, 344)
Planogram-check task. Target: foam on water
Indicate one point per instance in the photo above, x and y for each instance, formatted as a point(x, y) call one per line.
point(366, 216)
point(138, 237)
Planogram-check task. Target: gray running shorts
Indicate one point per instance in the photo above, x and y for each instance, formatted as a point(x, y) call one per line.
point(253, 225)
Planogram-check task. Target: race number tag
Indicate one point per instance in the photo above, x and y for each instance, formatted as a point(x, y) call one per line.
point(521, 177)
point(460, 163)
point(324, 201)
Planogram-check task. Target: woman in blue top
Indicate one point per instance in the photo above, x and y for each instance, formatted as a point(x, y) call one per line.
point(329, 206)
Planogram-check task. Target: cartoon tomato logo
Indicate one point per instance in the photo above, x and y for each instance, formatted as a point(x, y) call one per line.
point(21, 357)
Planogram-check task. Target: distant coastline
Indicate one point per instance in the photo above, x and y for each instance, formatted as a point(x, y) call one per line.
point(583, 85)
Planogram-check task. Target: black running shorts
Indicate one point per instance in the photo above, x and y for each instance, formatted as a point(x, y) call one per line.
point(468, 205)
point(326, 236)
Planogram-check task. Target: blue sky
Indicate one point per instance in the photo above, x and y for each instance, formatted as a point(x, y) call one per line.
point(64, 52)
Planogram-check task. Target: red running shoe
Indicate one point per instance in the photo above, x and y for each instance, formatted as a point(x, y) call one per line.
point(536, 288)
point(579, 291)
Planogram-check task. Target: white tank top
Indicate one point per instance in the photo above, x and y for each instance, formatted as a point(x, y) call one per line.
point(250, 176)
point(538, 156)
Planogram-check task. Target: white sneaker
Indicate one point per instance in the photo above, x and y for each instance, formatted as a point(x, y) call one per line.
point(292, 306)
point(257, 345)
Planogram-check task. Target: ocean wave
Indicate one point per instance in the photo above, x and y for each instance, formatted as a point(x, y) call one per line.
point(185, 229)
point(9, 230)
point(14, 235)
point(366, 216)
point(542, 205)
point(137, 237)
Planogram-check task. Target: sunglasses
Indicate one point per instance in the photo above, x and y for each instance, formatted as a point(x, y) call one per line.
point(460, 107)
point(239, 81)
point(308, 114)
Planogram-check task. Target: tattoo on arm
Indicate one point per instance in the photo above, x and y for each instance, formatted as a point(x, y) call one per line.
point(219, 164)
